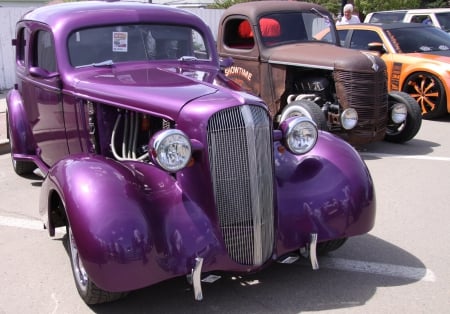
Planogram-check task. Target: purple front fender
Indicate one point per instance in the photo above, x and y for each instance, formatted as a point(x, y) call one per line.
point(133, 226)
point(328, 192)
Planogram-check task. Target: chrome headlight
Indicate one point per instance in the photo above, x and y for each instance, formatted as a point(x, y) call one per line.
point(399, 112)
point(300, 134)
point(349, 118)
point(171, 150)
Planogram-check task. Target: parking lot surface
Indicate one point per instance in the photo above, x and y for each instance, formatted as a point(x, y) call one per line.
point(400, 266)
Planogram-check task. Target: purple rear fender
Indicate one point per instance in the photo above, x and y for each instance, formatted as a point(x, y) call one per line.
point(21, 135)
point(132, 224)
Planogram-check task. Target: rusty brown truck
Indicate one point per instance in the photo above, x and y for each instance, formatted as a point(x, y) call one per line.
point(271, 49)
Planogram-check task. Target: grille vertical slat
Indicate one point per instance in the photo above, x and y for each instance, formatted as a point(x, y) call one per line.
point(240, 155)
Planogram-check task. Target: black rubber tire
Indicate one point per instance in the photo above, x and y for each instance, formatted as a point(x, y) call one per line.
point(329, 246)
point(21, 168)
point(87, 289)
point(403, 132)
point(429, 92)
point(306, 108)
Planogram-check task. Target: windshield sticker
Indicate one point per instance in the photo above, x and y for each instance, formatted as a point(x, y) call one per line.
point(443, 47)
point(120, 41)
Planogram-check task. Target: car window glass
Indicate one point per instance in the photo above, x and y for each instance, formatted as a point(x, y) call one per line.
point(444, 20)
point(238, 34)
point(387, 17)
point(421, 18)
point(122, 43)
point(282, 28)
point(361, 38)
point(20, 46)
point(424, 39)
point(44, 52)
point(342, 33)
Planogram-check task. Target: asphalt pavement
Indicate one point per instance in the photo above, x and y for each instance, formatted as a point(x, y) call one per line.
point(4, 143)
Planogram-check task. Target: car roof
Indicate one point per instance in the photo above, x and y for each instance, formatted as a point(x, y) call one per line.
point(255, 9)
point(82, 13)
point(417, 11)
point(387, 26)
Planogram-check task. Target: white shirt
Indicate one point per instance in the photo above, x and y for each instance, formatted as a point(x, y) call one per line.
point(353, 20)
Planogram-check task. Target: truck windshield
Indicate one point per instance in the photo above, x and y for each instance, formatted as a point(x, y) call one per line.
point(137, 42)
point(282, 28)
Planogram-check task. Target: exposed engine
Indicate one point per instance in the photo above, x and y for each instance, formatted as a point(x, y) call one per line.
point(128, 136)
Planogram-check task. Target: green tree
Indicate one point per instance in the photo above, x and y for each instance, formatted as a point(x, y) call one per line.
point(363, 6)
point(366, 6)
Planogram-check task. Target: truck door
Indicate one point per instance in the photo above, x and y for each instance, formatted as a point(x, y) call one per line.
point(237, 40)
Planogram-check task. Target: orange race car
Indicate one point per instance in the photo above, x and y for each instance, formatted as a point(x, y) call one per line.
point(417, 57)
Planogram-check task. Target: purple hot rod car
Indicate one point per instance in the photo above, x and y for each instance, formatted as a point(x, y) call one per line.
point(157, 164)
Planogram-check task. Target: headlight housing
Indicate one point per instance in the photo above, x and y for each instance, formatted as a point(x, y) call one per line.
point(171, 149)
point(399, 112)
point(300, 134)
point(349, 118)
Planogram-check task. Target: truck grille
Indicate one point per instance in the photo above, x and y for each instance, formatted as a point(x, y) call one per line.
point(367, 94)
point(241, 162)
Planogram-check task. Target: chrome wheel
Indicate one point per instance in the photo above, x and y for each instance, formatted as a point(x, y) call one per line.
point(79, 272)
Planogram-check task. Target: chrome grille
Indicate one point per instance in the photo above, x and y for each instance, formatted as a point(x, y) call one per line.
point(240, 157)
point(367, 94)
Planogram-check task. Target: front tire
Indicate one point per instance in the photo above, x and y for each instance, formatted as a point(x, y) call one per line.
point(325, 247)
point(405, 131)
point(429, 93)
point(87, 289)
point(305, 108)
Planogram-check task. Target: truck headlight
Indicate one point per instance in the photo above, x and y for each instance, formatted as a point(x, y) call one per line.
point(171, 149)
point(399, 112)
point(349, 118)
point(300, 134)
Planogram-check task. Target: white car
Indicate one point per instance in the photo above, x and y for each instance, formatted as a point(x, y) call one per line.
point(437, 17)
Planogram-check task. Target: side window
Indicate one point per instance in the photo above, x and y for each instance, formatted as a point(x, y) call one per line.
point(44, 52)
point(361, 39)
point(20, 47)
point(424, 19)
point(238, 34)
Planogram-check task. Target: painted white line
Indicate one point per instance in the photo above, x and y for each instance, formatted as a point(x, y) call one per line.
point(29, 224)
point(21, 223)
point(415, 273)
point(419, 157)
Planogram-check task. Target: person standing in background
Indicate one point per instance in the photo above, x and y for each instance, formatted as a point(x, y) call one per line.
point(348, 17)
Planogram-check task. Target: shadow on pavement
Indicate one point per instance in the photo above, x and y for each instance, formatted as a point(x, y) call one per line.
point(279, 289)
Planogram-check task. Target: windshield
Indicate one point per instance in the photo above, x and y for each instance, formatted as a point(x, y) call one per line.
point(138, 42)
point(444, 20)
point(282, 28)
point(424, 39)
